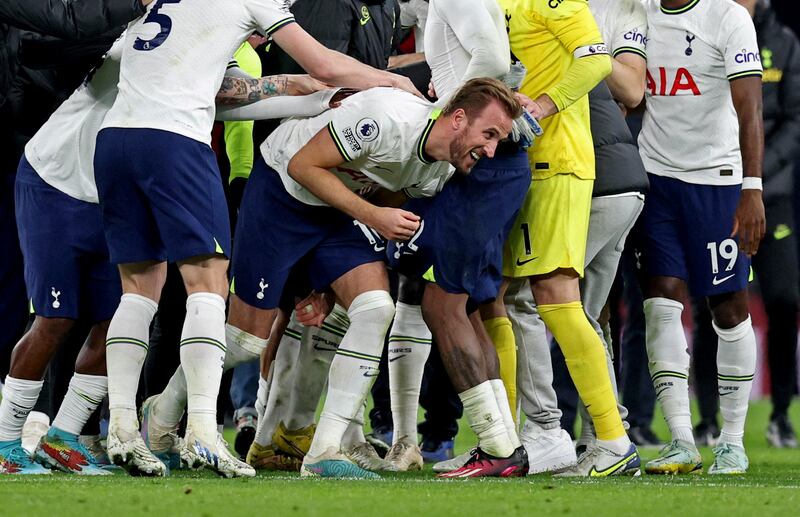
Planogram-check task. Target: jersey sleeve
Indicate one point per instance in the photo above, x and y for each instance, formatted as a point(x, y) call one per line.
point(357, 131)
point(629, 30)
point(740, 45)
point(408, 17)
point(572, 23)
point(270, 15)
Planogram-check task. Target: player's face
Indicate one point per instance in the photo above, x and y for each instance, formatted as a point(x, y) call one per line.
point(478, 137)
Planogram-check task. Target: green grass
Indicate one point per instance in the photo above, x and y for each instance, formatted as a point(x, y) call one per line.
point(771, 488)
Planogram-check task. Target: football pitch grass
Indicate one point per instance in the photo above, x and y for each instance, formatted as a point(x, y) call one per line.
point(771, 488)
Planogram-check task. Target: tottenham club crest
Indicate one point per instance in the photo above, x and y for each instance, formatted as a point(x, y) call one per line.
point(367, 129)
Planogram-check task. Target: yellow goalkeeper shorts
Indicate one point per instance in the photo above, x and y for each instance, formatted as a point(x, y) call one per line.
point(551, 228)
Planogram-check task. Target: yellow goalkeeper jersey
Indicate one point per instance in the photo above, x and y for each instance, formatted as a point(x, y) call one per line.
point(547, 36)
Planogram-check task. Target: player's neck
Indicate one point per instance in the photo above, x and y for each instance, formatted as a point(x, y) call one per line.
point(438, 144)
point(674, 4)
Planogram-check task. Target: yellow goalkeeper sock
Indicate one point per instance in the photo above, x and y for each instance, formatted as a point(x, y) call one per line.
point(586, 362)
point(499, 329)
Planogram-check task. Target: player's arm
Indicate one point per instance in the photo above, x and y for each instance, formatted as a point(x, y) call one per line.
point(309, 167)
point(575, 28)
point(77, 19)
point(333, 67)
point(750, 221)
point(472, 25)
point(627, 79)
point(236, 91)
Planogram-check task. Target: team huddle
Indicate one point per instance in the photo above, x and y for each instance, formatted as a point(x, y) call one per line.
point(502, 207)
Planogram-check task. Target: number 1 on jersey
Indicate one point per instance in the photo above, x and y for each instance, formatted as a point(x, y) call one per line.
point(165, 26)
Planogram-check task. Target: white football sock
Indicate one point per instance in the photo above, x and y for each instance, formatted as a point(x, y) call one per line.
point(354, 368)
point(242, 347)
point(19, 397)
point(483, 415)
point(409, 348)
point(736, 365)
point(354, 435)
point(127, 342)
point(84, 394)
point(668, 357)
point(202, 357)
point(262, 437)
point(501, 397)
point(282, 372)
point(318, 347)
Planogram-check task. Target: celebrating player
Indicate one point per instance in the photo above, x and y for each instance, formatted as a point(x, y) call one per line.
point(702, 132)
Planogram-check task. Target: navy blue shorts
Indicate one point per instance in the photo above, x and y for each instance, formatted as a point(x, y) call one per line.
point(67, 270)
point(685, 233)
point(161, 196)
point(275, 232)
point(464, 227)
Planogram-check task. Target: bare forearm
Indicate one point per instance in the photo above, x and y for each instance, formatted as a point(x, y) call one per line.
point(237, 91)
point(328, 188)
point(751, 140)
point(626, 83)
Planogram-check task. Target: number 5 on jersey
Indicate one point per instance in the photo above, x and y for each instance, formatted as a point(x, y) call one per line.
point(165, 26)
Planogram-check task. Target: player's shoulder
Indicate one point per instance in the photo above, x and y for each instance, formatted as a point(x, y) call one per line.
point(387, 110)
point(554, 8)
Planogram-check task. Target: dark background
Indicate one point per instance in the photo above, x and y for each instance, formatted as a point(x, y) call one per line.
point(787, 14)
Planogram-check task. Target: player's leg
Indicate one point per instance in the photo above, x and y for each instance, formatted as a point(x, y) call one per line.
point(549, 446)
point(61, 448)
point(609, 224)
point(364, 291)
point(409, 348)
point(550, 245)
point(736, 365)
point(465, 363)
point(778, 252)
point(498, 327)
point(52, 279)
point(274, 390)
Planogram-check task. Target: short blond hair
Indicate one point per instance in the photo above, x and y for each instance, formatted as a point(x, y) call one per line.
point(476, 94)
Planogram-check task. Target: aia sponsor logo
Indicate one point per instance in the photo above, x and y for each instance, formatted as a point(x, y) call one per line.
point(668, 84)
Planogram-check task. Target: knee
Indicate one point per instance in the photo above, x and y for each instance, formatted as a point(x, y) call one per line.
point(730, 313)
point(374, 307)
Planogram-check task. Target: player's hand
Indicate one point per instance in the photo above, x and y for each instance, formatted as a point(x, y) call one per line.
point(542, 107)
point(431, 91)
point(301, 84)
point(145, 3)
point(394, 224)
point(404, 83)
point(525, 130)
point(749, 222)
point(312, 310)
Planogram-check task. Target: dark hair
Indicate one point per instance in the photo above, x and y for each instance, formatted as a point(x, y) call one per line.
point(477, 93)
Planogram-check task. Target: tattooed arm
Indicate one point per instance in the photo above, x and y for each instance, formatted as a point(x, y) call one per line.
point(237, 91)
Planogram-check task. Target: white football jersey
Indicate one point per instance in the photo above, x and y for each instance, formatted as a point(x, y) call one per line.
point(690, 129)
point(623, 24)
point(174, 59)
point(380, 133)
point(414, 13)
point(62, 151)
point(455, 31)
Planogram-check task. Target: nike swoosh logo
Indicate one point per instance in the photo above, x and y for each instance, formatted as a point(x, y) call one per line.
point(393, 359)
point(324, 349)
point(523, 262)
point(368, 374)
point(716, 281)
point(725, 393)
point(363, 21)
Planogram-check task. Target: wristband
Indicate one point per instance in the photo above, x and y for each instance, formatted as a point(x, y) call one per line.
point(751, 183)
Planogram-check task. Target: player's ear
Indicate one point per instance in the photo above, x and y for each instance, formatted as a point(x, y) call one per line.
point(459, 119)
